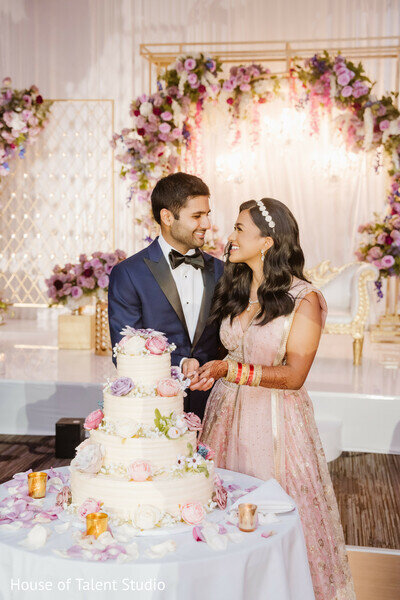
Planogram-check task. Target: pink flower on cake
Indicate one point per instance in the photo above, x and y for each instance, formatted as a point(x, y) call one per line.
point(93, 420)
point(156, 345)
point(220, 496)
point(90, 505)
point(168, 387)
point(193, 421)
point(140, 470)
point(192, 513)
point(64, 497)
point(89, 459)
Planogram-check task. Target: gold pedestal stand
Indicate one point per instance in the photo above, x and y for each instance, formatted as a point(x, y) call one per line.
point(103, 342)
point(388, 328)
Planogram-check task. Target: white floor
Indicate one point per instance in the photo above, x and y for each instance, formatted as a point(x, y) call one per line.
point(358, 408)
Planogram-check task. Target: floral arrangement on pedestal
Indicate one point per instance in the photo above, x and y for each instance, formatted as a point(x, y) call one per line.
point(167, 123)
point(73, 284)
point(23, 115)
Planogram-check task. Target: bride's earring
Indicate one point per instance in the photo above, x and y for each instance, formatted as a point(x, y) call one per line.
point(262, 255)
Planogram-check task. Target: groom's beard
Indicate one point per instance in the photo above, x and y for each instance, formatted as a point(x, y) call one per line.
point(191, 239)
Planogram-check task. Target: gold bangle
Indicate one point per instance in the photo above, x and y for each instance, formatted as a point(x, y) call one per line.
point(245, 374)
point(232, 371)
point(257, 375)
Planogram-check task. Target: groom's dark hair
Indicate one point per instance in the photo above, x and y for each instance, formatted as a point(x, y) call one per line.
point(172, 192)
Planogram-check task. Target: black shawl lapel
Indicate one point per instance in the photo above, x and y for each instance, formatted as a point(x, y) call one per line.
point(209, 285)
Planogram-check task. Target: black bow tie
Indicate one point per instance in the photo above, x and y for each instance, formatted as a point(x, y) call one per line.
point(196, 259)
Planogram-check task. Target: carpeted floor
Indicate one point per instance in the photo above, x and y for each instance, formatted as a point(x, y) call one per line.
point(367, 486)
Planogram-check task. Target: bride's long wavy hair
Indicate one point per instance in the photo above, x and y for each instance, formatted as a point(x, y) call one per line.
point(283, 261)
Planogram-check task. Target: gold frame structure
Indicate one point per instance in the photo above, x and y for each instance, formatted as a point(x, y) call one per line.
point(281, 52)
point(33, 304)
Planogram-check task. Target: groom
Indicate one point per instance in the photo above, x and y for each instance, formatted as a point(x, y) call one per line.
point(169, 285)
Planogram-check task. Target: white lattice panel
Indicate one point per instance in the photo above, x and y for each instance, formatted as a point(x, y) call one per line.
point(58, 202)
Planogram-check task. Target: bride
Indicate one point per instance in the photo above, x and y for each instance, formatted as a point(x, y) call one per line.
point(259, 418)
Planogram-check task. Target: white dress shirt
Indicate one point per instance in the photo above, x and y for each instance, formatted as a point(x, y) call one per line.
point(189, 282)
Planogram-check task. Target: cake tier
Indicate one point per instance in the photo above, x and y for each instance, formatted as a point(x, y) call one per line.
point(122, 497)
point(159, 452)
point(140, 410)
point(145, 370)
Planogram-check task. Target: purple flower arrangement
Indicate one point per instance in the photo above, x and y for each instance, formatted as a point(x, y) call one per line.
point(23, 115)
point(71, 283)
point(251, 79)
point(381, 245)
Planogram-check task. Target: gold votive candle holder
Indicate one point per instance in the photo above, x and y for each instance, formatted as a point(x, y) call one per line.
point(37, 484)
point(247, 517)
point(96, 523)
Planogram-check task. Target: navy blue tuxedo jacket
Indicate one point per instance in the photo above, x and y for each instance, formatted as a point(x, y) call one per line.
point(142, 293)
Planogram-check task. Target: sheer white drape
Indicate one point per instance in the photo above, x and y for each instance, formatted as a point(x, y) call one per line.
point(90, 49)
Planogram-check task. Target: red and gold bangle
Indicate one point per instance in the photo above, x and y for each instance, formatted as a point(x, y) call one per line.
point(239, 372)
point(245, 374)
point(251, 375)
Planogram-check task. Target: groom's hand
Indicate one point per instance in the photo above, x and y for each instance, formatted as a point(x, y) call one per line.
point(208, 374)
point(189, 367)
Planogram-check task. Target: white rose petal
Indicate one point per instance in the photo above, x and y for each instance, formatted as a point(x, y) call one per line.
point(160, 550)
point(235, 536)
point(11, 526)
point(62, 527)
point(41, 519)
point(36, 538)
point(133, 550)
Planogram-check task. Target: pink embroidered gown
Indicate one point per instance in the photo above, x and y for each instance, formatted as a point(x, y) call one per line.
point(272, 433)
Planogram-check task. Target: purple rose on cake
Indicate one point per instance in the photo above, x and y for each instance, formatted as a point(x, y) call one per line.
point(122, 386)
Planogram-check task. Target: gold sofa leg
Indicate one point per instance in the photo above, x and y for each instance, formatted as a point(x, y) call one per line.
point(357, 351)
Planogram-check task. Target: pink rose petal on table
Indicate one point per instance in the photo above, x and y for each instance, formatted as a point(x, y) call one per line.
point(197, 534)
point(268, 534)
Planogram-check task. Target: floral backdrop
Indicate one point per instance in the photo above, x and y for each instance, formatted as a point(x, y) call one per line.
point(166, 125)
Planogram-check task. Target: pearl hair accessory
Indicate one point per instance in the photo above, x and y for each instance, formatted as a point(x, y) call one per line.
point(266, 214)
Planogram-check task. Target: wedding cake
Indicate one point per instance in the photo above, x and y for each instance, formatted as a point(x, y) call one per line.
point(142, 463)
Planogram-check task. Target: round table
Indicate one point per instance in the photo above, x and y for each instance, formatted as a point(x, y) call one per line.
point(273, 568)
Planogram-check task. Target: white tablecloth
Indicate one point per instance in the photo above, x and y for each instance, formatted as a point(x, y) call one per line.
point(258, 568)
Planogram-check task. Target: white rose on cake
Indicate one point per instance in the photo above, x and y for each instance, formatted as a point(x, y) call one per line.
point(181, 424)
point(89, 459)
point(135, 345)
point(146, 516)
point(125, 429)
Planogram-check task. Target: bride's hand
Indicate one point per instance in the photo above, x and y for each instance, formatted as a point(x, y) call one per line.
point(208, 374)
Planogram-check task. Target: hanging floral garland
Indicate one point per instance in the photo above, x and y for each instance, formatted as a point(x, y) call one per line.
point(165, 124)
point(23, 115)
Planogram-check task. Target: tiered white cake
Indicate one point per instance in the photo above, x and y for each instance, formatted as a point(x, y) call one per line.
point(141, 460)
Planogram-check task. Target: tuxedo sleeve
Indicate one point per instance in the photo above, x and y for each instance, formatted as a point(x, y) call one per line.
point(124, 305)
